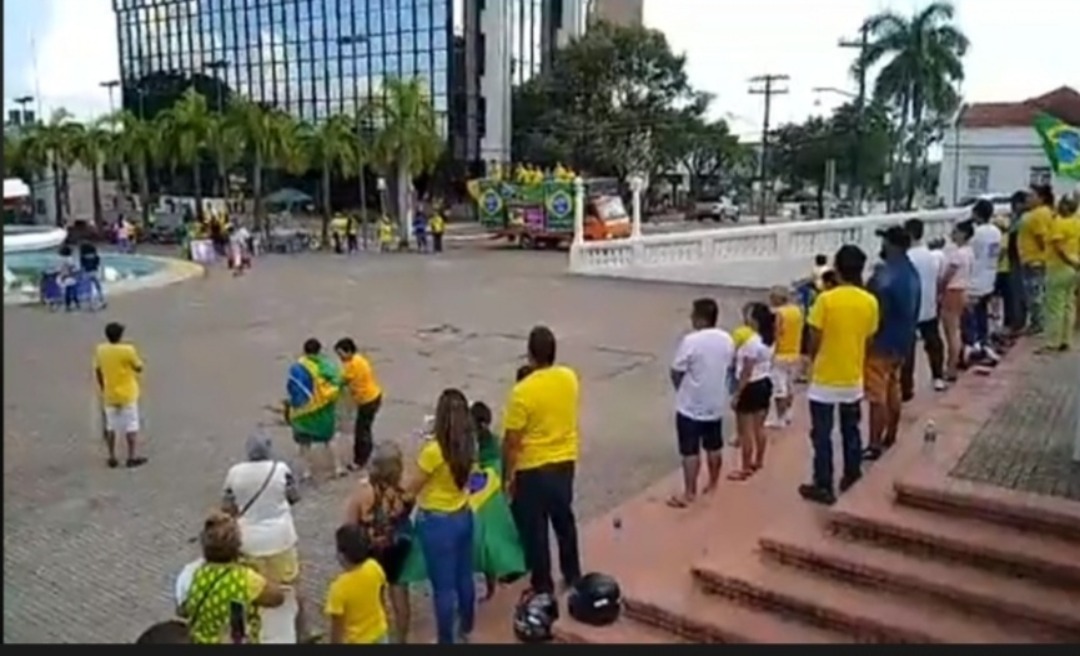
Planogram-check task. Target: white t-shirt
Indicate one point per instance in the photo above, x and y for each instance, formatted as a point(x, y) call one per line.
point(929, 265)
point(985, 247)
point(703, 357)
point(964, 260)
point(758, 355)
point(184, 580)
point(267, 526)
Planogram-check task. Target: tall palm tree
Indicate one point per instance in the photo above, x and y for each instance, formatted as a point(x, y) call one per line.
point(136, 142)
point(190, 123)
point(362, 151)
point(264, 130)
point(227, 145)
point(923, 67)
point(330, 146)
point(165, 150)
point(408, 142)
point(92, 148)
point(58, 138)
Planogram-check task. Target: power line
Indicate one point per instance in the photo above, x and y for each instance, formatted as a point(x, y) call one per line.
point(768, 90)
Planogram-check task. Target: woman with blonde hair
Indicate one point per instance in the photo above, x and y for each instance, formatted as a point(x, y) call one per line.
point(379, 506)
point(223, 602)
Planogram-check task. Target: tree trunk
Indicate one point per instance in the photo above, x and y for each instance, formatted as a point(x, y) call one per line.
point(96, 187)
point(324, 239)
point(196, 178)
point(256, 190)
point(363, 208)
point(64, 171)
point(144, 192)
point(58, 198)
point(403, 184)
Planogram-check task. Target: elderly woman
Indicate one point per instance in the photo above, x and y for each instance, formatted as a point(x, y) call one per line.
point(223, 601)
point(259, 493)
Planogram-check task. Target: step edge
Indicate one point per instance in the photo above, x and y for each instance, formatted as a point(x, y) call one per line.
point(1041, 618)
point(659, 617)
point(574, 634)
point(1060, 573)
point(985, 507)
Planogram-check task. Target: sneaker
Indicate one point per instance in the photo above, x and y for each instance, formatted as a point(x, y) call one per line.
point(847, 482)
point(817, 494)
point(940, 385)
point(990, 355)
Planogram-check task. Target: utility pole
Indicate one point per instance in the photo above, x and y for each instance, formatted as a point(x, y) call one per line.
point(860, 105)
point(767, 89)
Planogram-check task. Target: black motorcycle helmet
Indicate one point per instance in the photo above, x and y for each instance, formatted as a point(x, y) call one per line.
point(534, 618)
point(595, 600)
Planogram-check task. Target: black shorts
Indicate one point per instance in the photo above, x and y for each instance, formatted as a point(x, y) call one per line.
point(755, 397)
point(695, 435)
point(392, 559)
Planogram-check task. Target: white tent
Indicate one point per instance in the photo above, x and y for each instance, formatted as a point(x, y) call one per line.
point(15, 188)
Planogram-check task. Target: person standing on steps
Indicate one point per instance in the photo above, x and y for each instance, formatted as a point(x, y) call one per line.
point(897, 288)
point(928, 266)
point(365, 394)
point(986, 252)
point(842, 321)
point(540, 452)
point(699, 374)
point(117, 366)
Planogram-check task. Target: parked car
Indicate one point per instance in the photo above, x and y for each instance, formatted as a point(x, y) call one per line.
point(718, 209)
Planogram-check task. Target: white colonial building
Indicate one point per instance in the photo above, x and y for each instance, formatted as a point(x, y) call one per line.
point(994, 148)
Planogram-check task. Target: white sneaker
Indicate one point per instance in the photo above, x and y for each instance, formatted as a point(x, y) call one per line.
point(940, 385)
point(990, 354)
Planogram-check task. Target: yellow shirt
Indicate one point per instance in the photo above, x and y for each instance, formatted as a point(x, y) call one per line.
point(1064, 234)
point(741, 334)
point(1034, 225)
point(436, 224)
point(359, 377)
point(846, 317)
point(357, 597)
point(544, 408)
point(386, 232)
point(789, 336)
point(440, 493)
point(119, 365)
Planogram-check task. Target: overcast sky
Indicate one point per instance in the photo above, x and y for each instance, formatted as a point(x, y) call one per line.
point(1019, 49)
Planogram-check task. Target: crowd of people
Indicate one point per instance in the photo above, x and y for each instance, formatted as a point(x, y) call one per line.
point(474, 503)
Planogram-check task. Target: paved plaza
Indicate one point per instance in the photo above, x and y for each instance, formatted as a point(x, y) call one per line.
point(90, 553)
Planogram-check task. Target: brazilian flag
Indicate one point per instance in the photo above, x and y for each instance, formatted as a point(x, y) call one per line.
point(1061, 142)
point(496, 547)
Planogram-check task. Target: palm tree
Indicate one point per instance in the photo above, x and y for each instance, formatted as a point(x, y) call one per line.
point(408, 141)
point(227, 145)
point(924, 67)
point(189, 122)
point(264, 130)
point(362, 151)
point(136, 142)
point(92, 148)
point(330, 146)
point(58, 139)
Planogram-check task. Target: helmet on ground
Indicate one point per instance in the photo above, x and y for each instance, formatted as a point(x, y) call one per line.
point(595, 600)
point(535, 617)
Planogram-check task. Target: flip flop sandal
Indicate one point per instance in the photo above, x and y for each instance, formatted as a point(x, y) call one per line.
point(741, 475)
point(678, 503)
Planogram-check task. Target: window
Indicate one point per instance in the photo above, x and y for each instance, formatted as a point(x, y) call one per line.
point(1040, 175)
point(978, 179)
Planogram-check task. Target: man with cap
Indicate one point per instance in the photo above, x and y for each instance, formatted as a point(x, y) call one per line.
point(895, 284)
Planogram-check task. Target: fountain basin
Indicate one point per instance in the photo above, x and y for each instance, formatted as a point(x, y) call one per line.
point(22, 239)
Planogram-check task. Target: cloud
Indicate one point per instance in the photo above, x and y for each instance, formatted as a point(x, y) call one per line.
point(75, 53)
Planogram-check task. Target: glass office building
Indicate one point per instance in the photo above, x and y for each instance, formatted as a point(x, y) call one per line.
point(313, 58)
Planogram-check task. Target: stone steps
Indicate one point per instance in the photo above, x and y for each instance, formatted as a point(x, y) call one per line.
point(624, 632)
point(863, 614)
point(1008, 600)
point(1043, 558)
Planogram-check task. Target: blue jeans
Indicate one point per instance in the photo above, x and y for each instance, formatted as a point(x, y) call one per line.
point(1034, 277)
point(822, 417)
point(446, 540)
point(975, 324)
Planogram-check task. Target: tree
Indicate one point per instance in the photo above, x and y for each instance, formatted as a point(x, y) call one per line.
point(707, 150)
point(92, 148)
point(188, 125)
point(264, 130)
point(331, 146)
point(609, 104)
point(135, 142)
point(58, 140)
point(408, 141)
point(226, 143)
point(923, 66)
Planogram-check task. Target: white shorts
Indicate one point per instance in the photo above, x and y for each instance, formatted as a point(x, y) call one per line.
point(783, 378)
point(122, 418)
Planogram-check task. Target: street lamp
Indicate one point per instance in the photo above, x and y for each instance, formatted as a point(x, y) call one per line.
point(110, 85)
point(357, 40)
point(215, 66)
point(22, 102)
point(836, 90)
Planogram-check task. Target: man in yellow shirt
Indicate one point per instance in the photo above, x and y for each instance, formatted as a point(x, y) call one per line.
point(1062, 264)
point(437, 228)
point(364, 397)
point(117, 366)
point(356, 601)
point(1032, 239)
point(842, 322)
point(540, 451)
point(787, 363)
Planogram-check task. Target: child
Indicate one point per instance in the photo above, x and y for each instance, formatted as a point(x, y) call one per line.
point(356, 602)
point(419, 227)
point(386, 235)
point(753, 393)
point(788, 362)
point(69, 278)
point(436, 226)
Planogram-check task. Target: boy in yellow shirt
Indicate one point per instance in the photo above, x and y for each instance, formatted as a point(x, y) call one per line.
point(437, 227)
point(117, 367)
point(386, 235)
point(788, 354)
point(356, 601)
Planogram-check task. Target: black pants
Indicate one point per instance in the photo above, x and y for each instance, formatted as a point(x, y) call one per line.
point(541, 496)
point(363, 441)
point(436, 241)
point(935, 353)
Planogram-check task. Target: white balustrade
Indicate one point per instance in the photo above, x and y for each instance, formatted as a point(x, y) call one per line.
point(778, 243)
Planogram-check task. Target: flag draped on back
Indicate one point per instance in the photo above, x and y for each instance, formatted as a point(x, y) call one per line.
point(312, 389)
point(1061, 142)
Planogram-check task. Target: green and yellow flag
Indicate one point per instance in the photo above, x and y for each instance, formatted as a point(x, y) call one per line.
point(1061, 142)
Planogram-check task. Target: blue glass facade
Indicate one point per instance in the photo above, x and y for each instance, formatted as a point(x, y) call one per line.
point(313, 58)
